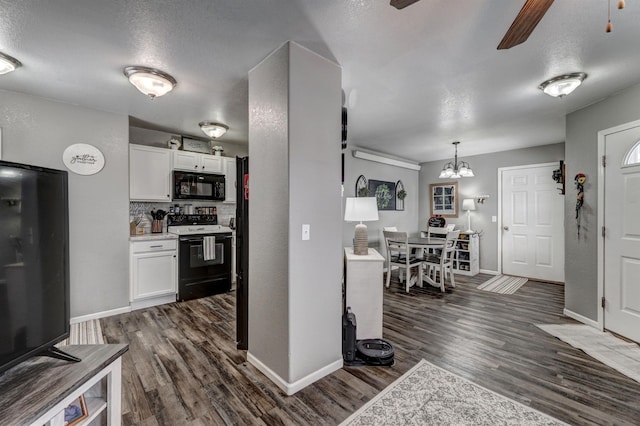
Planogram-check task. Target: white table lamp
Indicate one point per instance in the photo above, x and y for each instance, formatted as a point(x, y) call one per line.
point(360, 209)
point(468, 204)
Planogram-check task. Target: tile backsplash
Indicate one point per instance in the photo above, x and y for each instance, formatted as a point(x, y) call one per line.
point(142, 209)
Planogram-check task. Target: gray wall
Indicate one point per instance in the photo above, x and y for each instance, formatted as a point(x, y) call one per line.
point(485, 167)
point(404, 220)
point(581, 286)
point(294, 286)
point(37, 131)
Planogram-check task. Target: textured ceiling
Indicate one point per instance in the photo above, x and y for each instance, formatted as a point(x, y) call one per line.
point(414, 79)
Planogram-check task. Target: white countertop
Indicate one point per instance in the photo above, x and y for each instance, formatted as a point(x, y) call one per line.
point(150, 237)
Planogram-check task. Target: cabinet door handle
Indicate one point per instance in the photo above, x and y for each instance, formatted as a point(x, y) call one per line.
point(506, 228)
point(158, 246)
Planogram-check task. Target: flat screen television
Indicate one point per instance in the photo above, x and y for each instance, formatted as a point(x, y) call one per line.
point(34, 262)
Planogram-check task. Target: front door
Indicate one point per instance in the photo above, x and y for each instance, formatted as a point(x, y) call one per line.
point(532, 223)
point(622, 233)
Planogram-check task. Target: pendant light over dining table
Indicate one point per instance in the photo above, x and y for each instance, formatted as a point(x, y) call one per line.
point(454, 169)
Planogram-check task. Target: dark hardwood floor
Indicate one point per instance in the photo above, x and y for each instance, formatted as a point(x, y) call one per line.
point(183, 368)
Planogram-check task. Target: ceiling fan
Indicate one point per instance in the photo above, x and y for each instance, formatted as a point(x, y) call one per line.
point(521, 28)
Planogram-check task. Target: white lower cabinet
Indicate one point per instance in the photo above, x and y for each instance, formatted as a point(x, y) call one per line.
point(153, 272)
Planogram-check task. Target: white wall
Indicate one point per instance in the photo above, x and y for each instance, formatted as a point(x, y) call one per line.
point(37, 131)
point(295, 296)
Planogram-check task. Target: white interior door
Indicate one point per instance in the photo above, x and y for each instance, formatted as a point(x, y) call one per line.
point(622, 233)
point(532, 223)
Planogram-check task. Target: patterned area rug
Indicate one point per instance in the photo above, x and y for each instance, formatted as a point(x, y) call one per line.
point(429, 395)
point(605, 347)
point(503, 284)
point(85, 333)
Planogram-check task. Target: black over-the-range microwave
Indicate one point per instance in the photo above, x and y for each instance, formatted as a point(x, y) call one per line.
point(197, 186)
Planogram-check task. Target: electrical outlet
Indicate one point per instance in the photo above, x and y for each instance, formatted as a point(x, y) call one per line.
point(306, 232)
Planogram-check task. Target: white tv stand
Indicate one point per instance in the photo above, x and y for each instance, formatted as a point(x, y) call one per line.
point(37, 391)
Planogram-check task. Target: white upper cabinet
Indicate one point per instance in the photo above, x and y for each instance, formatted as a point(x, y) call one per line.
point(230, 179)
point(195, 162)
point(149, 173)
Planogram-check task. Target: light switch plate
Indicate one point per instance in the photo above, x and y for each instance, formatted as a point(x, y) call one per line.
point(494, 219)
point(306, 232)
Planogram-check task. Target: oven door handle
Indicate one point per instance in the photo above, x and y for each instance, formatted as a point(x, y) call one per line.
point(191, 240)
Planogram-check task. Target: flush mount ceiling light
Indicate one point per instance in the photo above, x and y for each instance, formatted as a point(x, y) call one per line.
point(455, 170)
point(8, 63)
point(213, 130)
point(563, 84)
point(150, 81)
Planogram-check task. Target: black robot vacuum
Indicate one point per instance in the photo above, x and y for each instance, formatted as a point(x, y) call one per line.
point(376, 352)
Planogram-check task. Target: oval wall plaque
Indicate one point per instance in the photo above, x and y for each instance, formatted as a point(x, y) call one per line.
point(83, 159)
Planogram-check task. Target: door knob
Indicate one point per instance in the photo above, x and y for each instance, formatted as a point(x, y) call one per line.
point(506, 228)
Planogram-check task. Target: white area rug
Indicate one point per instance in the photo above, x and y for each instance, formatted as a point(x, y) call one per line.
point(503, 284)
point(85, 333)
point(605, 347)
point(429, 395)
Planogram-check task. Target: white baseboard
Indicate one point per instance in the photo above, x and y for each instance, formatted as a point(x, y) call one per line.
point(99, 315)
point(581, 318)
point(291, 388)
point(488, 271)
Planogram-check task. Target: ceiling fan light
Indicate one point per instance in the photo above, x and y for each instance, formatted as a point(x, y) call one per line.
point(150, 81)
point(213, 130)
point(562, 85)
point(8, 63)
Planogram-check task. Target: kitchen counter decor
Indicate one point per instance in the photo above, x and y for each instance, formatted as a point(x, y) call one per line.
point(156, 223)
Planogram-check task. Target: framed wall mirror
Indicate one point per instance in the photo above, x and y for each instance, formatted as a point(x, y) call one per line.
point(444, 199)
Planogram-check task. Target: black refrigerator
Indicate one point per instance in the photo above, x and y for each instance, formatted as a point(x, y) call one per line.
point(242, 253)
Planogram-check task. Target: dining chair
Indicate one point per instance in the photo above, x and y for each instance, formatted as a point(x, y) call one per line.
point(399, 255)
point(391, 228)
point(442, 263)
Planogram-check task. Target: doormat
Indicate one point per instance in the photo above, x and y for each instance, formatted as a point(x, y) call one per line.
point(85, 333)
point(605, 347)
point(429, 395)
point(503, 284)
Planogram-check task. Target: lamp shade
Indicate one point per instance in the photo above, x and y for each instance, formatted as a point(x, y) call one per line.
point(468, 204)
point(361, 209)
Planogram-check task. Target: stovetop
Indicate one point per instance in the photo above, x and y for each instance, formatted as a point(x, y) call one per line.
point(191, 224)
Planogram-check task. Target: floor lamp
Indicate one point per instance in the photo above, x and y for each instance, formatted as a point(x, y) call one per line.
point(468, 204)
point(360, 209)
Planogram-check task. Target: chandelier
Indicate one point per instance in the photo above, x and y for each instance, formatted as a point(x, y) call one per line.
point(455, 170)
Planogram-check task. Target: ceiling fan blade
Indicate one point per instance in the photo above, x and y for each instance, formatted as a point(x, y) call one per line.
point(401, 4)
point(524, 24)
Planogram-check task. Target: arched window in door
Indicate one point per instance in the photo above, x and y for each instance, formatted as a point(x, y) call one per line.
point(632, 157)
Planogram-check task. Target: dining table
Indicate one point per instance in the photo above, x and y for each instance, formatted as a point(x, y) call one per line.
point(422, 244)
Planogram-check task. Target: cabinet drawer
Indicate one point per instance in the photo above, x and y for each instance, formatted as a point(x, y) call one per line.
point(154, 245)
